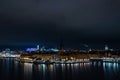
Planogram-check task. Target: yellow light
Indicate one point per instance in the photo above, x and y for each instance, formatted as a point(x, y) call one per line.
point(26, 58)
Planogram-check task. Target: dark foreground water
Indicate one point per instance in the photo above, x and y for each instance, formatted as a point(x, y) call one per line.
point(13, 70)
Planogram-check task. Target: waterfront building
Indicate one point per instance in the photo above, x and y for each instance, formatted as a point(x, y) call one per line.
point(106, 47)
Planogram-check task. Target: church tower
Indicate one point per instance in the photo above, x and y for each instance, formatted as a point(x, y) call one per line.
point(61, 51)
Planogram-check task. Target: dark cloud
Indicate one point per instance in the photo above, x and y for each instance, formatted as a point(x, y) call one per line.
point(76, 21)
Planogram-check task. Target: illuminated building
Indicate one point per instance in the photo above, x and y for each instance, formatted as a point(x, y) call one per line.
point(90, 50)
point(31, 49)
point(7, 52)
point(106, 47)
point(38, 47)
point(42, 48)
point(52, 50)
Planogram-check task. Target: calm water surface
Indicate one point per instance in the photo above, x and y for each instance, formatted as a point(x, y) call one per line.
point(13, 70)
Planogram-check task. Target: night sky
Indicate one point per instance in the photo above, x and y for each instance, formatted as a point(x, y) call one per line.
point(46, 22)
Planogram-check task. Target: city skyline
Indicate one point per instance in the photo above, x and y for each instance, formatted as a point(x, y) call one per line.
point(59, 39)
point(82, 47)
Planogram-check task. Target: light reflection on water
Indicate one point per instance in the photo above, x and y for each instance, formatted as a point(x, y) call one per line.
point(28, 71)
point(111, 71)
point(81, 71)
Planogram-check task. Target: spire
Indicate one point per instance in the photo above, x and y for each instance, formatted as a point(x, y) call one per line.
point(61, 47)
